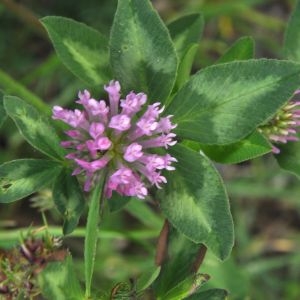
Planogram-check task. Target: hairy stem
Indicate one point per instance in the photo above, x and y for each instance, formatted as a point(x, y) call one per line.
point(92, 229)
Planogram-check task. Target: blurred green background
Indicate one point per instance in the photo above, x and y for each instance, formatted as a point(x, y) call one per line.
point(265, 201)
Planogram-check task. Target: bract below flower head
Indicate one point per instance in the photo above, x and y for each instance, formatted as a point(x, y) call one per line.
point(283, 127)
point(120, 135)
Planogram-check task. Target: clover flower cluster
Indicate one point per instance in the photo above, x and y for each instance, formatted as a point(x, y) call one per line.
point(283, 127)
point(114, 137)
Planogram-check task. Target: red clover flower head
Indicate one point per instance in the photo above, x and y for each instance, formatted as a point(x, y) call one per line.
point(118, 136)
point(283, 127)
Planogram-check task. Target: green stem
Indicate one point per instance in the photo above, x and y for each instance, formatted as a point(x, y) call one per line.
point(92, 229)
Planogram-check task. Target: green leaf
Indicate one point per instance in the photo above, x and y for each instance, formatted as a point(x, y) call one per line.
point(92, 229)
point(196, 203)
point(224, 103)
point(186, 31)
point(242, 49)
point(181, 259)
point(81, 48)
point(20, 178)
point(213, 294)
point(184, 288)
point(147, 278)
point(292, 35)
point(58, 281)
point(185, 66)
point(34, 127)
point(289, 157)
point(253, 146)
point(2, 110)
point(69, 199)
point(142, 55)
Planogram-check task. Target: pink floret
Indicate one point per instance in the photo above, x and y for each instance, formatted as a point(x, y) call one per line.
point(117, 137)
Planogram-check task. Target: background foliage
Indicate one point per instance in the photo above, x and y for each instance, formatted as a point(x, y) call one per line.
point(264, 200)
